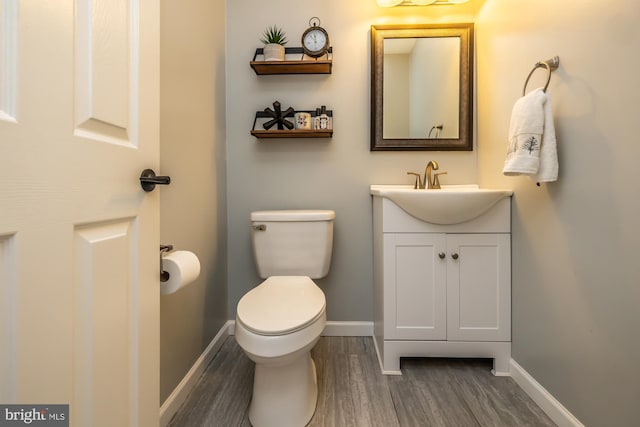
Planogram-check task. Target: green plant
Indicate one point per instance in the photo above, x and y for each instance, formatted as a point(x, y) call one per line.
point(274, 35)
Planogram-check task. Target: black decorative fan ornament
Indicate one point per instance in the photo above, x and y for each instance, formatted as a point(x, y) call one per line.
point(279, 117)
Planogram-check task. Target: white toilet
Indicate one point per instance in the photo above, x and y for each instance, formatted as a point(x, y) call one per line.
point(279, 321)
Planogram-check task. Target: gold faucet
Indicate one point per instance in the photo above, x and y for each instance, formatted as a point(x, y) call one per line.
point(431, 166)
point(427, 181)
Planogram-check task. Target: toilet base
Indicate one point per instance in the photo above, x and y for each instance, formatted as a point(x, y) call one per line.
point(284, 395)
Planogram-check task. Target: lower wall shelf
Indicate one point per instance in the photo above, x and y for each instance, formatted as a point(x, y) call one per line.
point(263, 117)
point(294, 133)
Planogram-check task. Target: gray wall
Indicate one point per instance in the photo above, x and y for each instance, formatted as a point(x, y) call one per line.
point(193, 207)
point(576, 275)
point(305, 173)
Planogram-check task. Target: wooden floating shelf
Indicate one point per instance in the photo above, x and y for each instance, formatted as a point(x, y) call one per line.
point(302, 65)
point(290, 133)
point(294, 133)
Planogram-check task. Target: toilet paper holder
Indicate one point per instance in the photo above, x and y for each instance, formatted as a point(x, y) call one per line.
point(164, 275)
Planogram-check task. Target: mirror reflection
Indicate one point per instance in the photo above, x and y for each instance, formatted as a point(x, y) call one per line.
point(421, 89)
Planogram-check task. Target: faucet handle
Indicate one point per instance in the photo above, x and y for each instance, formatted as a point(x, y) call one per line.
point(436, 180)
point(418, 183)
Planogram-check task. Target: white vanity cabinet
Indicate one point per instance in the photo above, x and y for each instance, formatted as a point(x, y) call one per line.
point(442, 290)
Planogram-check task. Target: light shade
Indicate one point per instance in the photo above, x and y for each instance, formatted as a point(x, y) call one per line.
point(391, 3)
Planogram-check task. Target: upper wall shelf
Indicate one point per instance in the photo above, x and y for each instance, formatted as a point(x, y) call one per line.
point(291, 65)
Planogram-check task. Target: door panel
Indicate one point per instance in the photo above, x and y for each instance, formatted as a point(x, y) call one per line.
point(8, 312)
point(8, 59)
point(105, 302)
point(478, 287)
point(416, 304)
point(106, 81)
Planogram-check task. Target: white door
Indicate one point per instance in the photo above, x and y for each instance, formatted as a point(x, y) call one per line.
point(79, 300)
point(415, 300)
point(479, 287)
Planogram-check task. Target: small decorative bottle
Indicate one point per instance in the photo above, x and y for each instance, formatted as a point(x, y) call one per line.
point(324, 118)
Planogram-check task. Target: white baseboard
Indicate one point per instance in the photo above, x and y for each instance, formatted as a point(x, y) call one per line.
point(333, 329)
point(348, 329)
point(545, 400)
point(180, 393)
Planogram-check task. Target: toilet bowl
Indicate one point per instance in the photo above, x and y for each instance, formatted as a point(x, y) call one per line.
point(277, 325)
point(279, 321)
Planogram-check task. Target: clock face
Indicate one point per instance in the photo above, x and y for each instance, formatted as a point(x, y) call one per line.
point(315, 42)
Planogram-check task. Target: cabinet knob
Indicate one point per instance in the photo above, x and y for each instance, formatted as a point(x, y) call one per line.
point(441, 255)
point(454, 255)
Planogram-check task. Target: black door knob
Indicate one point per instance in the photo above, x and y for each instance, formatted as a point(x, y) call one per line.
point(149, 180)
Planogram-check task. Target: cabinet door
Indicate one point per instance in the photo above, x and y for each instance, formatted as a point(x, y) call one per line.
point(479, 287)
point(414, 286)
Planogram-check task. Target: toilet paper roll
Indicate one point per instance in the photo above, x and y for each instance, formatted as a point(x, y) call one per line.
point(183, 268)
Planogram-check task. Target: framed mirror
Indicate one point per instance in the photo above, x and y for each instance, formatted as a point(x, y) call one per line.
point(422, 87)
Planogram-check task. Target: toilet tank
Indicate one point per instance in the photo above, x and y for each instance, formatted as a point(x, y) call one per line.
point(292, 242)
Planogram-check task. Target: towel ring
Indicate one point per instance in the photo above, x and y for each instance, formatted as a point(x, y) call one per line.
point(550, 64)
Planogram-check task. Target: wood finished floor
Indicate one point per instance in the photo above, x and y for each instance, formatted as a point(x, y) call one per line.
point(353, 391)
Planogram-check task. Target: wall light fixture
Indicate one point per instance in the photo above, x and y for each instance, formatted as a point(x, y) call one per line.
point(391, 3)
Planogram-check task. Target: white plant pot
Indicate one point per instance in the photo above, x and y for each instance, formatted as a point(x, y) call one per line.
point(273, 52)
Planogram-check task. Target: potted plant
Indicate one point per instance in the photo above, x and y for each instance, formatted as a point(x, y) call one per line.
point(274, 40)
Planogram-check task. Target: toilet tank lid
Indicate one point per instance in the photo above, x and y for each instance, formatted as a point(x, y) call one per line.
point(294, 215)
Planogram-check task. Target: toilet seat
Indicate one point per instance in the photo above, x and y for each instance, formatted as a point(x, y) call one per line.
point(281, 305)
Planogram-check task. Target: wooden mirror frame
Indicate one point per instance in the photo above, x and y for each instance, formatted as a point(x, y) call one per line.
point(379, 33)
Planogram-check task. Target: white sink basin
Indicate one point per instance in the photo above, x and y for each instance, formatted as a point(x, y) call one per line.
point(452, 204)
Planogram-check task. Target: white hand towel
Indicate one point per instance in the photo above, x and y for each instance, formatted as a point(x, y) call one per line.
point(525, 134)
point(548, 170)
